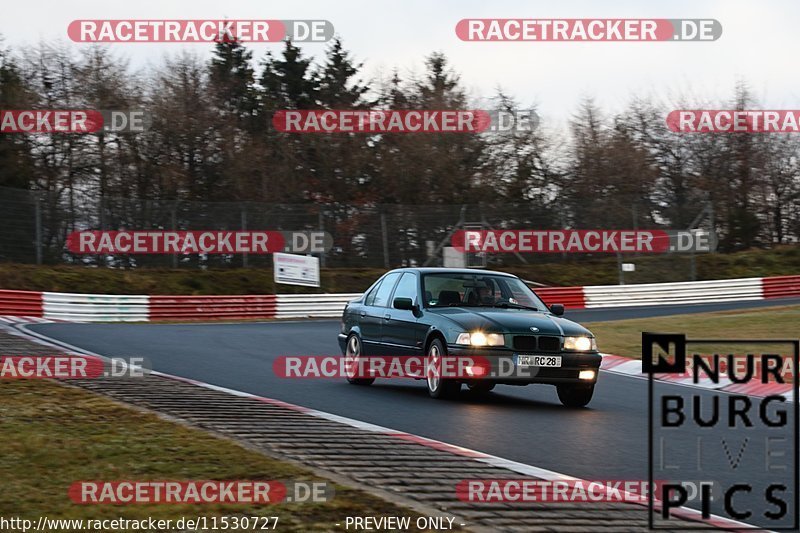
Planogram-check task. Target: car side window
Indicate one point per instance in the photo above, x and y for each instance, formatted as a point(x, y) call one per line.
point(407, 288)
point(385, 290)
point(370, 299)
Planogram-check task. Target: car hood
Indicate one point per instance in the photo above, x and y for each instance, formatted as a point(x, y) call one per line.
point(519, 321)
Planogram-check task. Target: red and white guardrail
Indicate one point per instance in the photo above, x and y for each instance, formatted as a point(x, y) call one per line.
point(141, 308)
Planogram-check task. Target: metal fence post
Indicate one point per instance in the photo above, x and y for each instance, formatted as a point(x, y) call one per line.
point(175, 228)
point(322, 228)
point(385, 238)
point(244, 228)
point(38, 222)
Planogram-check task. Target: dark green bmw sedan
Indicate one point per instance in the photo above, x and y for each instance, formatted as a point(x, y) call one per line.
point(439, 314)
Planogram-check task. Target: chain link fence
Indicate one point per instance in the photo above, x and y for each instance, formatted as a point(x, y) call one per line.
point(36, 225)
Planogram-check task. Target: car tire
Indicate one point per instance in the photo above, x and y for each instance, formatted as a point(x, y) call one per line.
point(575, 395)
point(438, 387)
point(353, 349)
point(481, 387)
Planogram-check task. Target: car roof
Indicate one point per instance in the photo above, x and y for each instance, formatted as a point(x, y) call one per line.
point(445, 270)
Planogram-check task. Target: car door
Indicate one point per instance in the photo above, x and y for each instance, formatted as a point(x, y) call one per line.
point(400, 332)
point(371, 318)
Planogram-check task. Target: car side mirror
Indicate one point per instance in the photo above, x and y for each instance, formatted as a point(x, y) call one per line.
point(557, 309)
point(403, 303)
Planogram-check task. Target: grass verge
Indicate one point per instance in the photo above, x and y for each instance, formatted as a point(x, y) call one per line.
point(624, 337)
point(557, 271)
point(52, 435)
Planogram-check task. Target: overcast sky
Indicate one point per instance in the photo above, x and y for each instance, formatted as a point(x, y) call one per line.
point(759, 44)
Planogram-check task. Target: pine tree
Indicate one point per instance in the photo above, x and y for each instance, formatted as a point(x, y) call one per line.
point(288, 82)
point(336, 87)
point(232, 81)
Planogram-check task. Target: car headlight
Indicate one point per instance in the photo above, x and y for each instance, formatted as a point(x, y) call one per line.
point(478, 338)
point(580, 344)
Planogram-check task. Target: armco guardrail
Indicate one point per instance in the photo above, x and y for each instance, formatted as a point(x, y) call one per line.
point(572, 297)
point(138, 308)
point(313, 305)
point(21, 303)
point(95, 307)
point(690, 292)
point(212, 307)
point(780, 286)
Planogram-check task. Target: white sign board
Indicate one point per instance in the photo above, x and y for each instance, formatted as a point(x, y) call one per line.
point(291, 269)
point(628, 267)
point(454, 258)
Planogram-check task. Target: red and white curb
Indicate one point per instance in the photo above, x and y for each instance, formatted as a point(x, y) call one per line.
point(616, 364)
point(493, 460)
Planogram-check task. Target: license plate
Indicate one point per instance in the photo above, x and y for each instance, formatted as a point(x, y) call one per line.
point(553, 361)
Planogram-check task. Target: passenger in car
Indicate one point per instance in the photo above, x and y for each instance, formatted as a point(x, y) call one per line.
point(449, 298)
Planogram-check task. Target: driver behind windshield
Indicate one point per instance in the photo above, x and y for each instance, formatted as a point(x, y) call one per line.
point(485, 295)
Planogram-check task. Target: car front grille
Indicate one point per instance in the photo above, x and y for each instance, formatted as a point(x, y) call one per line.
point(534, 343)
point(549, 344)
point(525, 342)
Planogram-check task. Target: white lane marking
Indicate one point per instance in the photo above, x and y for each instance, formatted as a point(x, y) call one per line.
point(22, 319)
point(493, 460)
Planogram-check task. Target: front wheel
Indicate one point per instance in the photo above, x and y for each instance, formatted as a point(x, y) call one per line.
point(575, 395)
point(438, 387)
point(353, 351)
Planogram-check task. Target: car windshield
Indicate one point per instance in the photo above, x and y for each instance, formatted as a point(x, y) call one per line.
point(478, 290)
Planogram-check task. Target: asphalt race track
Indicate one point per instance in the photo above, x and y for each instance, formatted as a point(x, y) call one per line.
point(526, 424)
